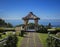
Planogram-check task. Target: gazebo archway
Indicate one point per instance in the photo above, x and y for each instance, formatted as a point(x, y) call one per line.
point(31, 16)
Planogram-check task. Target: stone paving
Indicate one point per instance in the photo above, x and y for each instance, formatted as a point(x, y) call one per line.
point(31, 40)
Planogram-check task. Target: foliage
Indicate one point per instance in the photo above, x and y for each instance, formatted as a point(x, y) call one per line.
point(46, 29)
point(12, 41)
point(0, 35)
point(31, 25)
point(9, 25)
point(49, 26)
point(1, 29)
point(22, 33)
point(57, 29)
point(4, 24)
point(54, 30)
point(42, 29)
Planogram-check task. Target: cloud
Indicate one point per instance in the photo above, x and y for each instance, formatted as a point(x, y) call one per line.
point(12, 18)
point(51, 18)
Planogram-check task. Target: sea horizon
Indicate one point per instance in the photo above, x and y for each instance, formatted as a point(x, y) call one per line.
point(44, 22)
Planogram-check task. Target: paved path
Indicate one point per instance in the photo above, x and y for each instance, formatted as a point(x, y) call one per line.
point(31, 40)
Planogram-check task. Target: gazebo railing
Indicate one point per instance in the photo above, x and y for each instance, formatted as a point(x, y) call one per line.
point(3, 42)
point(53, 41)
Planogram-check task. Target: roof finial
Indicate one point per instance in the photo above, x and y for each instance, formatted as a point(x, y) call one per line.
point(31, 13)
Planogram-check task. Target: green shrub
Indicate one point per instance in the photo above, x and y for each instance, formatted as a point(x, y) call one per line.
point(58, 29)
point(42, 30)
point(2, 29)
point(53, 31)
point(4, 33)
point(0, 35)
point(12, 41)
point(22, 33)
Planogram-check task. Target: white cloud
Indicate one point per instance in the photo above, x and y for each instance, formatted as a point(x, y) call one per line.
point(12, 18)
point(51, 18)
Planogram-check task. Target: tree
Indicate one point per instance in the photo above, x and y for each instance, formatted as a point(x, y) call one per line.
point(42, 29)
point(9, 25)
point(4, 24)
point(49, 26)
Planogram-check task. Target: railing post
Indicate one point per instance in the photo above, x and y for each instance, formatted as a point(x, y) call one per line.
point(56, 43)
point(48, 40)
point(48, 34)
point(5, 45)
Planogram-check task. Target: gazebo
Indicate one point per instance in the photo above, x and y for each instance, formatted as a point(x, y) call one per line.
point(31, 16)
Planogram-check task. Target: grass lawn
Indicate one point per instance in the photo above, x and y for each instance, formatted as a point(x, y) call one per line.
point(19, 41)
point(43, 37)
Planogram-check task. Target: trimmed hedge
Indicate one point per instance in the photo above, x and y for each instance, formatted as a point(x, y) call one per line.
point(2, 29)
point(42, 30)
point(52, 31)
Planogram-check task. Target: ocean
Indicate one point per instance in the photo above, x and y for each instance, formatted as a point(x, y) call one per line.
point(54, 23)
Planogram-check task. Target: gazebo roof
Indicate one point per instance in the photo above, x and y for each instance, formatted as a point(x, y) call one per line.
point(30, 16)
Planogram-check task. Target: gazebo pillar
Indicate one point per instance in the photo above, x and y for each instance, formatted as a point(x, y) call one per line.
point(25, 23)
point(36, 24)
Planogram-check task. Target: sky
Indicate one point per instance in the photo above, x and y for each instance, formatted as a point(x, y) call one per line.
point(13, 10)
